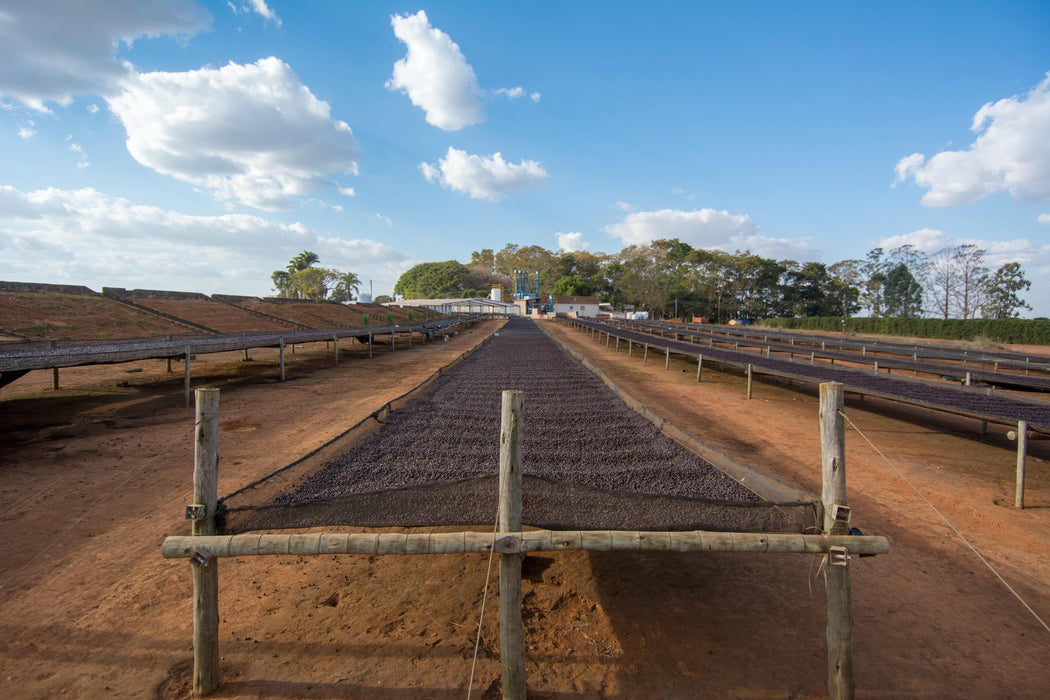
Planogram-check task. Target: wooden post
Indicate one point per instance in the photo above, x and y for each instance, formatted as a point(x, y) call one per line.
point(370, 343)
point(645, 357)
point(1022, 450)
point(246, 358)
point(335, 348)
point(54, 378)
point(206, 574)
point(617, 343)
point(749, 381)
point(282, 357)
point(836, 573)
point(392, 347)
point(186, 380)
point(667, 358)
point(969, 379)
point(511, 637)
point(699, 367)
point(606, 338)
point(630, 348)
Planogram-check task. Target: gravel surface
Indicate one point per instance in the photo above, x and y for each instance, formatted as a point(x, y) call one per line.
point(997, 405)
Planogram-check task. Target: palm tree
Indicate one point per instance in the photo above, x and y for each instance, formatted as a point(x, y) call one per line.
point(303, 260)
point(346, 286)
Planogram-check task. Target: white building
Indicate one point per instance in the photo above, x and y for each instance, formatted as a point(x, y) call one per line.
point(576, 306)
point(454, 306)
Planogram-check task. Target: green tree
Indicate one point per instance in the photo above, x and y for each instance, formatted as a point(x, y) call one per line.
point(903, 293)
point(302, 261)
point(347, 285)
point(383, 299)
point(1001, 292)
point(433, 280)
point(573, 287)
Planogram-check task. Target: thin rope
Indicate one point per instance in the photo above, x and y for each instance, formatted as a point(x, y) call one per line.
point(485, 592)
point(949, 524)
point(93, 508)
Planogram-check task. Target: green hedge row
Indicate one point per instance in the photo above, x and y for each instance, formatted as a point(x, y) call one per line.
point(1008, 330)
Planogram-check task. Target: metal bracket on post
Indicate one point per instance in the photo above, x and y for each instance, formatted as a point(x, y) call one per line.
point(838, 556)
point(202, 557)
point(196, 511)
point(841, 514)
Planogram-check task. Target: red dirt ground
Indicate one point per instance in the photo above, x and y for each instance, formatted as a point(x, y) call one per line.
point(53, 315)
point(101, 473)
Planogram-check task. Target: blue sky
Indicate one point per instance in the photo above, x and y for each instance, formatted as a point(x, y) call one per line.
point(199, 145)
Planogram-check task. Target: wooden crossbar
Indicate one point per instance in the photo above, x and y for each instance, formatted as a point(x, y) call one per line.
point(314, 544)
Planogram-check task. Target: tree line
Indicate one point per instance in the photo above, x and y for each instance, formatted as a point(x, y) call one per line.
point(669, 277)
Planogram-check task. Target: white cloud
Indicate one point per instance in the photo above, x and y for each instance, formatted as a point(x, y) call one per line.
point(1044, 218)
point(571, 242)
point(384, 219)
point(535, 97)
point(927, 240)
point(26, 132)
point(435, 75)
point(625, 206)
point(261, 9)
point(248, 133)
point(87, 237)
point(92, 108)
point(512, 93)
point(347, 191)
point(1011, 153)
point(78, 149)
point(52, 50)
point(483, 177)
point(706, 228)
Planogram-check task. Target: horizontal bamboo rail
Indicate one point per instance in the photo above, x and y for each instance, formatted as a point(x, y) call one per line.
point(319, 543)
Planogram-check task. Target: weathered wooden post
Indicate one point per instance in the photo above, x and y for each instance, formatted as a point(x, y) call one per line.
point(169, 359)
point(186, 379)
point(699, 367)
point(335, 348)
point(392, 346)
point(54, 378)
point(645, 357)
point(667, 358)
point(511, 637)
point(1022, 450)
point(282, 357)
point(205, 567)
point(630, 348)
point(749, 381)
point(617, 343)
point(836, 522)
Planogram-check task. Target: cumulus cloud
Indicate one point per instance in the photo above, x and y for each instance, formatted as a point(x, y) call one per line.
point(483, 177)
point(1011, 153)
point(52, 50)
point(572, 242)
point(512, 93)
point(247, 133)
point(625, 206)
point(705, 228)
point(1044, 218)
point(347, 191)
point(435, 74)
point(535, 97)
point(26, 131)
point(87, 237)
